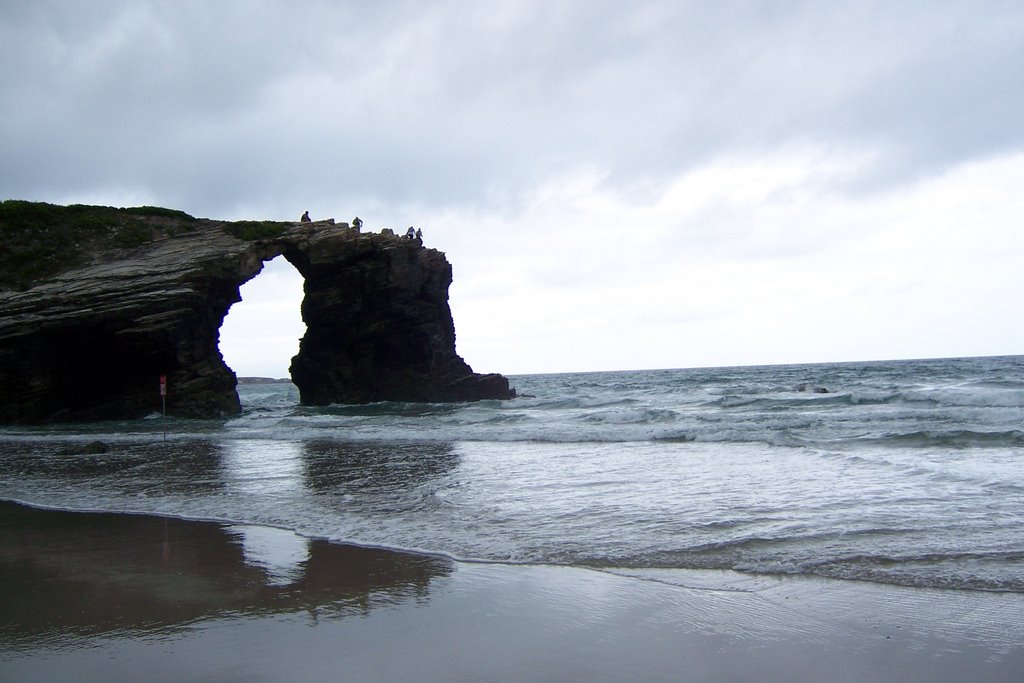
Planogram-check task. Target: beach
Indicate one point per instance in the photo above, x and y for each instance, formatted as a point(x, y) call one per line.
point(110, 597)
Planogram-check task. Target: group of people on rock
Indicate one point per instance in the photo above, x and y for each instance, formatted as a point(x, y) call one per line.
point(357, 223)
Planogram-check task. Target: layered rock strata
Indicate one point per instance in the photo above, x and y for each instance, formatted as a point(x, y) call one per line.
point(92, 341)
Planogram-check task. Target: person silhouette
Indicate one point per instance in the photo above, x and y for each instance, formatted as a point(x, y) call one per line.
point(305, 217)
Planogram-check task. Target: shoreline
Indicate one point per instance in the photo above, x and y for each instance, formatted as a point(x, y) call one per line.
point(117, 596)
point(682, 577)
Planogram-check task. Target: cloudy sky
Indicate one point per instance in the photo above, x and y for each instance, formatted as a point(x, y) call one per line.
point(617, 185)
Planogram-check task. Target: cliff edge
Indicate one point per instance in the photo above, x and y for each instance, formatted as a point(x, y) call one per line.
point(96, 304)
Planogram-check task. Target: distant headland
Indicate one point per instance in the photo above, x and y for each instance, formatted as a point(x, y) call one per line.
point(103, 308)
point(264, 380)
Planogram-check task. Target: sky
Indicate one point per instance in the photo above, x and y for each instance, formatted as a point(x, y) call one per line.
point(652, 184)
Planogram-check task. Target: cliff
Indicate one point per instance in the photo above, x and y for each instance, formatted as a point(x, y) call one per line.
point(97, 303)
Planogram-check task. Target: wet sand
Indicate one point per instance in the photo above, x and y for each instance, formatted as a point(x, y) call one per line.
point(100, 597)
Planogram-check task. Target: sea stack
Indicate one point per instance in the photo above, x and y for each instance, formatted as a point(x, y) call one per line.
point(97, 304)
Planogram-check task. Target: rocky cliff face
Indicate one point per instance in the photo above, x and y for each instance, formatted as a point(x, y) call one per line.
point(91, 340)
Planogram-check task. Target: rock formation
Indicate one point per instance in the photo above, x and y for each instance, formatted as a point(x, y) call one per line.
point(131, 295)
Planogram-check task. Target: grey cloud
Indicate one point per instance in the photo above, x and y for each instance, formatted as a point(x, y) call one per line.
point(210, 103)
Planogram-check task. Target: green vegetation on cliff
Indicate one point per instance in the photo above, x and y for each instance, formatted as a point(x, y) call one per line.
point(251, 231)
point(40, 240)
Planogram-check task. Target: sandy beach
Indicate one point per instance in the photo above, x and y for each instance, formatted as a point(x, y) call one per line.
point(102, 597)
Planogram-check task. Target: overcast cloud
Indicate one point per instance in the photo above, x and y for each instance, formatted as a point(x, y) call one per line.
point(617, 185)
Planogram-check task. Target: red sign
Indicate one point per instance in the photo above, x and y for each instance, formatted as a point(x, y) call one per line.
point(163, 385)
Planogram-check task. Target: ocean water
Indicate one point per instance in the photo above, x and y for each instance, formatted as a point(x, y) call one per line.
point(906, 472)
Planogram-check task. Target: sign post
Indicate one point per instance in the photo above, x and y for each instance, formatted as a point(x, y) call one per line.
point(163, 403)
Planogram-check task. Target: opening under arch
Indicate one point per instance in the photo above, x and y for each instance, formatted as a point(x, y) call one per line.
point(261, 333)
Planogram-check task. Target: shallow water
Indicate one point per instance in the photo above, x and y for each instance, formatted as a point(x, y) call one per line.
point(903, 472)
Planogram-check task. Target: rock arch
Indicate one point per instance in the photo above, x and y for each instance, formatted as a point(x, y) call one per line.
point(92, 341)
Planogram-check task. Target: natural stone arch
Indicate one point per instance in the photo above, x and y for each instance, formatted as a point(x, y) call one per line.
point(378, 324)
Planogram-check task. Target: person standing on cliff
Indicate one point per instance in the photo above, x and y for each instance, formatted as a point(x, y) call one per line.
point(419, 235)
point(357, 223)
point(410, 233)
point(305, 217)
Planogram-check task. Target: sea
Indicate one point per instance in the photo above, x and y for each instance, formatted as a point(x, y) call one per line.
point(896, 472)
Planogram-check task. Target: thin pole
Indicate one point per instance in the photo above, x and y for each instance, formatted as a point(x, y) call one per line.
point(163, 403)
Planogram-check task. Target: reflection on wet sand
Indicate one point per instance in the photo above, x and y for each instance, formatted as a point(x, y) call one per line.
point(99, 597)
point(67, 575)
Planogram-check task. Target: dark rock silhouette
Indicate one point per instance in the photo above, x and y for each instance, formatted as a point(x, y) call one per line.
point(812, 388)
point(88, 335)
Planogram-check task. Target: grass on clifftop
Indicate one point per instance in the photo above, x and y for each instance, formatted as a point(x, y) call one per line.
point(256, 230)
point(40, 240)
